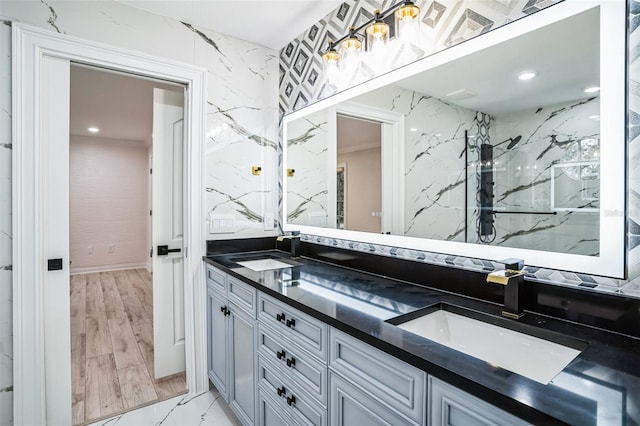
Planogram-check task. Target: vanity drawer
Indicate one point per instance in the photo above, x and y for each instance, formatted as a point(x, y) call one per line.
point(216, 279)
point(303, 368)
point(242, 294)
point(394, 382)
point(292, 399)
point(270, 412)
point(307, 332)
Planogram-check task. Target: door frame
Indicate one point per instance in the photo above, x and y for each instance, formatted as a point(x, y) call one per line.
point(29, 46)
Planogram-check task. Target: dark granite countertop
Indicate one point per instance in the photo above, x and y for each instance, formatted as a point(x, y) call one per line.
point(600, 386)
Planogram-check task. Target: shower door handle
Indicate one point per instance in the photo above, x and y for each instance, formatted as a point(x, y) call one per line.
point(165, 250)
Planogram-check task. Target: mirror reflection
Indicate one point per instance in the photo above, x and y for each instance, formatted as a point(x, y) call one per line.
point(498, 147)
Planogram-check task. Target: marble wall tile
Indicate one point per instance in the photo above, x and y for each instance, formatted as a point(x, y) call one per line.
point(434, 161)
point(307, 155)
point(529, 149)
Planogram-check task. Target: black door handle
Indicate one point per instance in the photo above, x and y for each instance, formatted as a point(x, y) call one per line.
point(165, 250)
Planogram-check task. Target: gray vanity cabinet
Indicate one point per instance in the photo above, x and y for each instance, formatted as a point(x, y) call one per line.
point(270, 413)
point(351, 405)
point(292, 364)
point(387, 389)
point(450, 406)
point(276, 365)
point(216, 340)
point(232, 342)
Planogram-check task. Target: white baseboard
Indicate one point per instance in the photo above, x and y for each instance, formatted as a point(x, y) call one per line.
point(106, 268)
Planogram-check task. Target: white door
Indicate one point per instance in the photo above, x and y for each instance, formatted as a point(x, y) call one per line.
point(167, 223)
point(55, 230)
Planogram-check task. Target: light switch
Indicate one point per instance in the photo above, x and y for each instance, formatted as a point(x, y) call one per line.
point(221, 223)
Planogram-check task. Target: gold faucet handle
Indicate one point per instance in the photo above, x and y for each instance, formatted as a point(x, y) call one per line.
point(503, 276)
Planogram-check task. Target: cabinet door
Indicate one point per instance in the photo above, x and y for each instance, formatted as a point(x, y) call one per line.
point(217, 338)
point(242, 350)
point(449, 406)
point(394, 382)
point(350, 406)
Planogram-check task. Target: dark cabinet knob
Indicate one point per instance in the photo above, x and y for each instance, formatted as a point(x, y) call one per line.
point(280, 354)
point(222, 308)
point(281, 391)
point(280, 317)
point(291, 400)
point(291, 362)
point(227, 312)
point(291, 323)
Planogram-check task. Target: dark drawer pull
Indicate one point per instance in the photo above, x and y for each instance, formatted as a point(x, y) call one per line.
point(291, 323)
point(291, 362)
point(280, 354)
point(225, 311)
point(280, 317)
point(281, 391)
point(291, 400)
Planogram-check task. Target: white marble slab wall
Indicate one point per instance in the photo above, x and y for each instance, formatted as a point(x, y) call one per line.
point(434, 161)
point(308, 156)
point(242, 119)
point(529, 148)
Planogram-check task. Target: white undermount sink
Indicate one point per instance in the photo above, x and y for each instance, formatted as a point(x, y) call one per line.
point(264, 264)
point(536, 358)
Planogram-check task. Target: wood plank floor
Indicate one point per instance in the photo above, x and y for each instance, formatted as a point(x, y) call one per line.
point(112, 345)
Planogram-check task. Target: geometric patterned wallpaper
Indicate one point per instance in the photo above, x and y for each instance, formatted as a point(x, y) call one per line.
point(444, 24)
point(448, 22)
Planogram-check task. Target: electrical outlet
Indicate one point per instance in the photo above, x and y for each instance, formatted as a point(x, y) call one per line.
point(111, 248)
point(89, 249)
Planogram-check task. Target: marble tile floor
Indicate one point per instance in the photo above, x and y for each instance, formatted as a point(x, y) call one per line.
point(207, 409)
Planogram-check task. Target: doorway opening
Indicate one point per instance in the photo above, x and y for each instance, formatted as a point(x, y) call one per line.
point(115, 126)
point(359, 172)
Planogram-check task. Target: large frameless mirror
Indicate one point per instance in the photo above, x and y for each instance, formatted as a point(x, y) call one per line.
point(510, 144)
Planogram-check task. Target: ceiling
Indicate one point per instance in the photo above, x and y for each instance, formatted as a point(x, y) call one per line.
point(268, 23)
point(565, 56)
point(120, 105)
point(356, 134)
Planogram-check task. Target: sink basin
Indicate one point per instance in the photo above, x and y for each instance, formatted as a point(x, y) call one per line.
point(267, 264)
point(495, 340)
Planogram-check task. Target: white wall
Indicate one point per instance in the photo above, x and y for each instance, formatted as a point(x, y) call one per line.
point(363, 189)
point(241, 121)
point(109, 192)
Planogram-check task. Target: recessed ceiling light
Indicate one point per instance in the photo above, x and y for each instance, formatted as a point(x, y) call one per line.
point(414, 129)
point(594, 117)
point(528, 75)
point(592, 89)
point(93, 129)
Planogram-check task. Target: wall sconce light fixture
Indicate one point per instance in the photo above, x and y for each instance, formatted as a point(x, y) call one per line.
point(376, 31)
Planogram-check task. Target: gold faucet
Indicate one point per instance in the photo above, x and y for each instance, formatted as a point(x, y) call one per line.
point(512, 277)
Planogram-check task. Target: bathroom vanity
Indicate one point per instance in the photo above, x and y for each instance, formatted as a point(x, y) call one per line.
point(306, 341)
